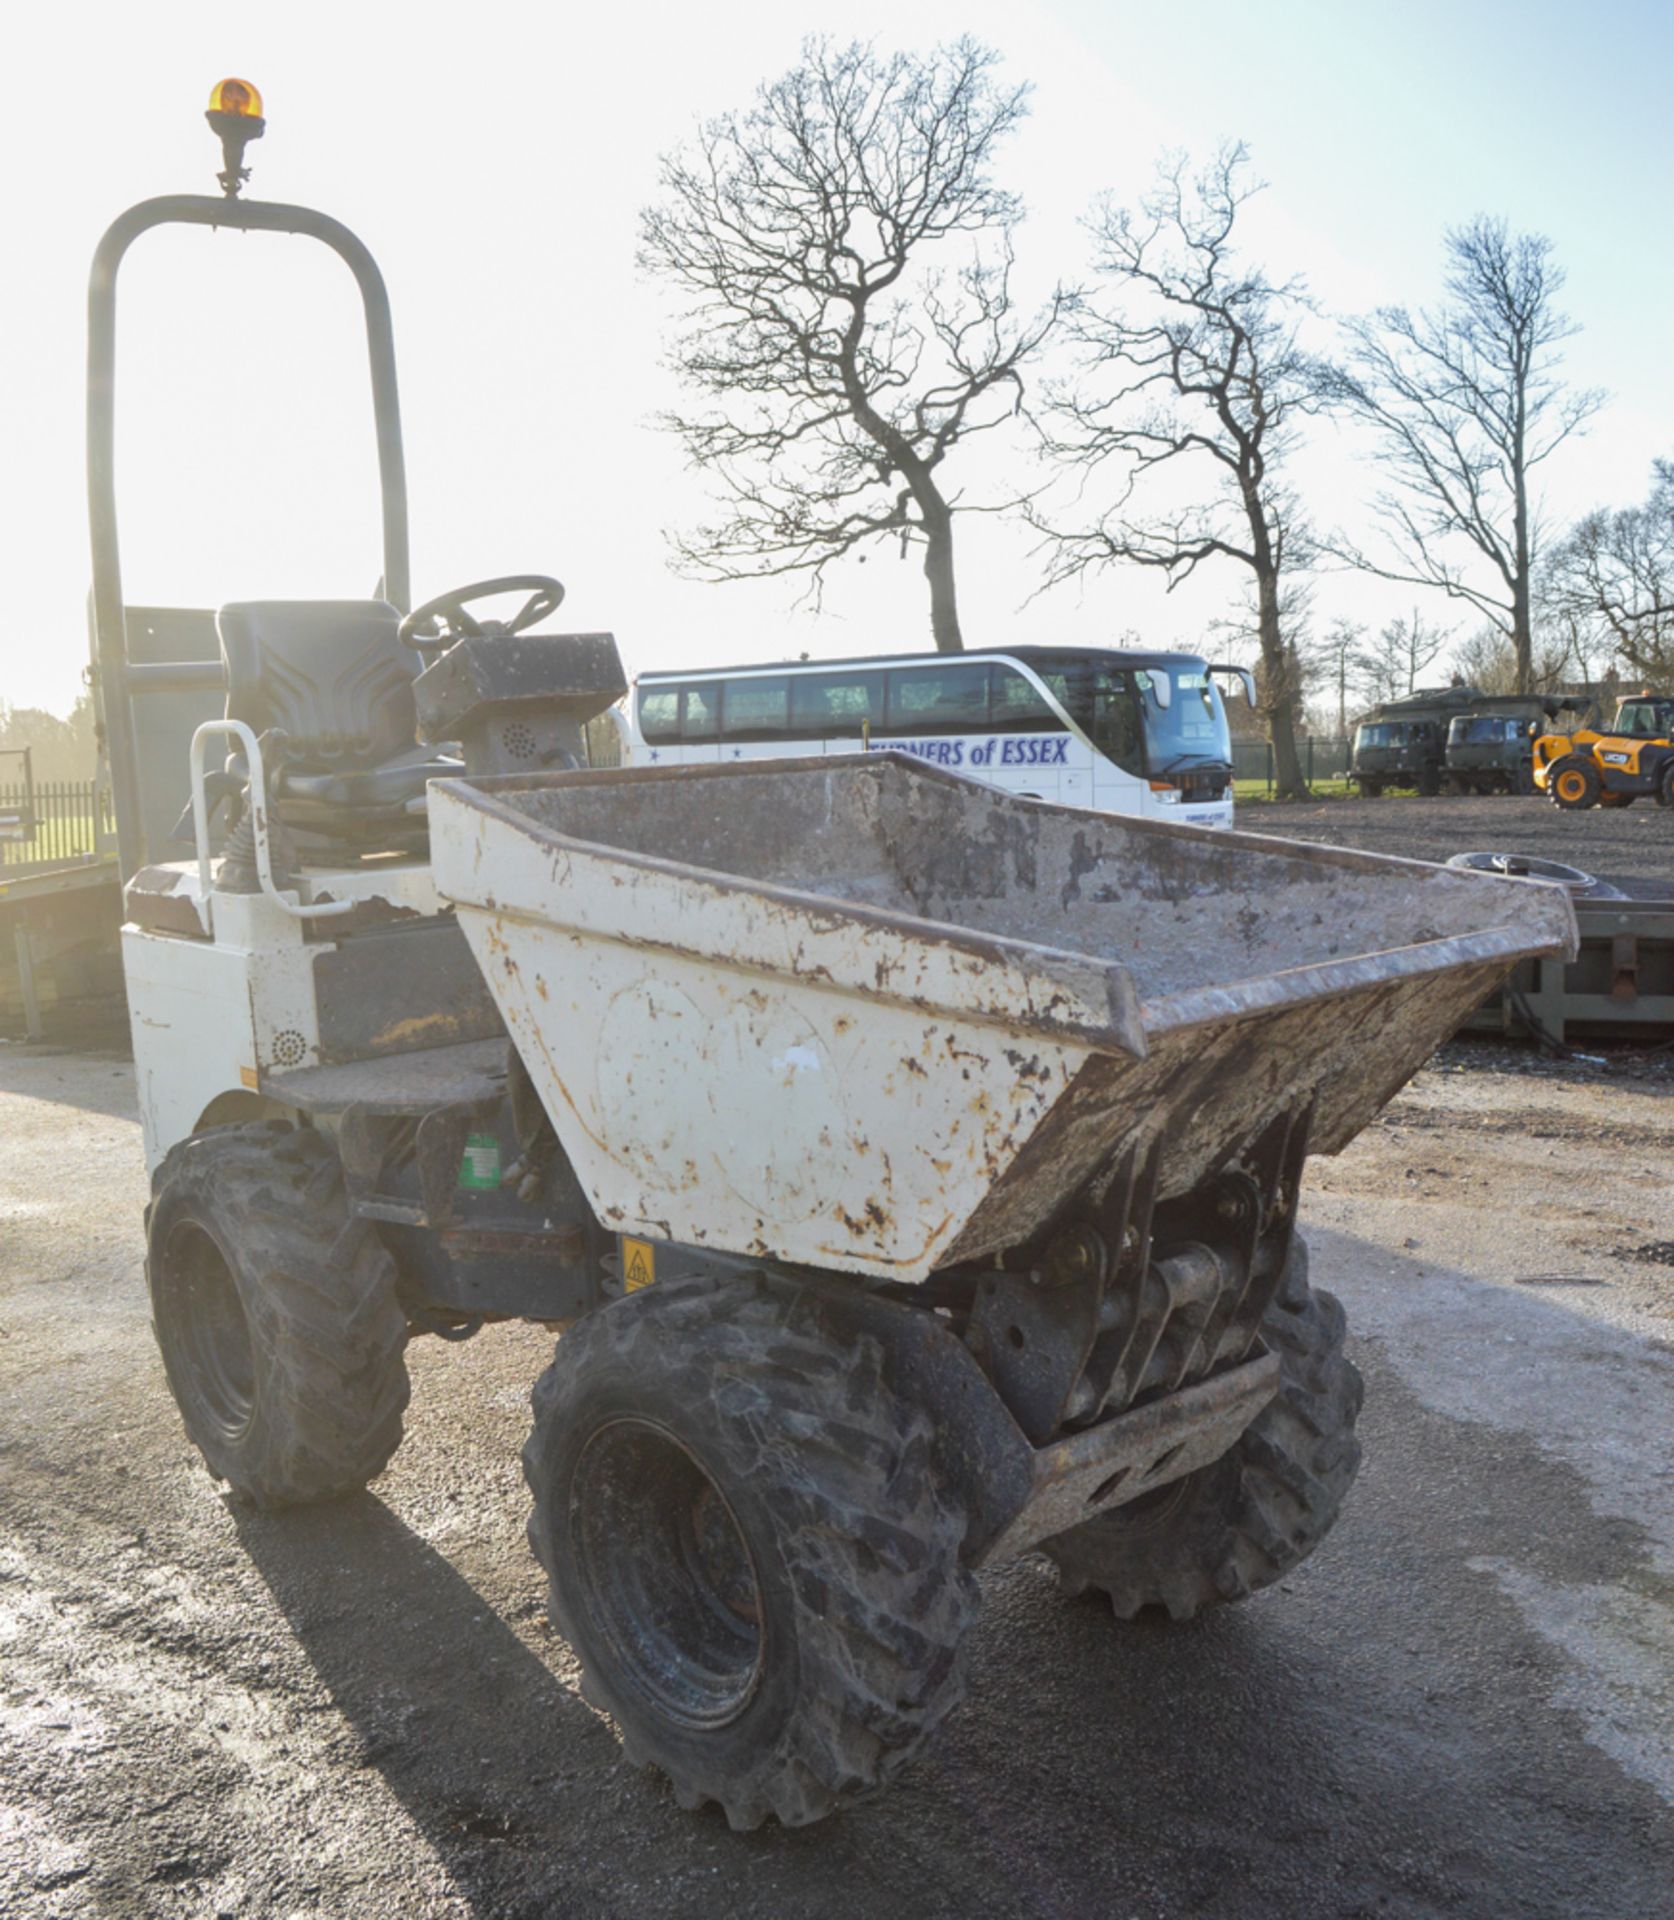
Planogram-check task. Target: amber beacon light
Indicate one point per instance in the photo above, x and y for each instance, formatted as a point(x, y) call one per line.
point(235, 113)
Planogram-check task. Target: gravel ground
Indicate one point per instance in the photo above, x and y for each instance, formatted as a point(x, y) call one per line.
point(1463, 1705)
point(1634, 842)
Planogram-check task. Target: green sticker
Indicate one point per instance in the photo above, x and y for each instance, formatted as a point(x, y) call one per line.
point(480, 1168)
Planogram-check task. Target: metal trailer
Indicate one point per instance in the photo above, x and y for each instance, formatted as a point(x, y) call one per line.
point(58, 916)
point(913, 1169)
point(58, 928)
point(1617, 985)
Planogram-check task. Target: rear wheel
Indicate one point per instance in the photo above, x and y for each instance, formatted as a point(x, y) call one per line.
point(1573, 784)
point(276, 1314)
point(748, 1548)
point(1243, 1522)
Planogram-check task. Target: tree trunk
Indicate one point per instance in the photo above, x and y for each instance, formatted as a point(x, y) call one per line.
point(938, 570)
point(1522, 637)
point(1288, 780)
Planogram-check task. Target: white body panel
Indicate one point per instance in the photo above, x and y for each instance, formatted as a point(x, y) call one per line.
point(727, 1072)
point(233, 1015)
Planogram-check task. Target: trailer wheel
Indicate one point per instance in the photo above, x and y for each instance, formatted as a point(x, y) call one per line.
point(1243, 1522)
point(276, 1314)
point(1573, 784)
point(747, 1548)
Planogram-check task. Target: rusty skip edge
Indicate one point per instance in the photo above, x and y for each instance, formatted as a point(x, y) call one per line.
point(1091, 1472)
point(1221, 839)
point(1246, 999)
point(1063, 990)
point(1016, 984)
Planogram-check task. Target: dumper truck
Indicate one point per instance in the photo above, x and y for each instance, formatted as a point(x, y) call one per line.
point(909, 1170)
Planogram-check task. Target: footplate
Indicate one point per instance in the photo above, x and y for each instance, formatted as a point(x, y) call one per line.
point(1102, 1467)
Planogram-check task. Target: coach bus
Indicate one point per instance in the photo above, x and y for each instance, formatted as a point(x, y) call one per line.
point(1119, 731)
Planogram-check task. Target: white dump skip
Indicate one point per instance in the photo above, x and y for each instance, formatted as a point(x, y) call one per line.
point(860, 1014)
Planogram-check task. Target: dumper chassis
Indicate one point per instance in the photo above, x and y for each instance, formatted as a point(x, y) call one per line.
point(912, 1171)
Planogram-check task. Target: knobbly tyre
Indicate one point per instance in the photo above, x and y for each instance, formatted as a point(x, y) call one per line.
point(913, 1168)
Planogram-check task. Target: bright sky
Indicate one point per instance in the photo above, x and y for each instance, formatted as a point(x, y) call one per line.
point(494, 158)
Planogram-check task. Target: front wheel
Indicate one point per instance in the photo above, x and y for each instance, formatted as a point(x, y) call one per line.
point(276, 1314)
point(1573, 784)
point(747, 1548)
point(1245, 1520)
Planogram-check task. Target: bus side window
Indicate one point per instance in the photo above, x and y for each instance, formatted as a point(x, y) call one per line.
point(756, 709)
point(1014, 705)
point(822, 704)
point(659, 713)
point(939, 699)
point(1116, 729)
point(699, 710)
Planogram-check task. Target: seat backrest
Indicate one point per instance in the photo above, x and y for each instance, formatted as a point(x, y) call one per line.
point(331, 673)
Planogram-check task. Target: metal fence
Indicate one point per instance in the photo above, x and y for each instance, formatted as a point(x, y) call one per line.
point(72, 821)
point(1252, 760)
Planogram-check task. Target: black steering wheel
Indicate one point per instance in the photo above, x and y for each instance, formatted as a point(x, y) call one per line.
point(444, 619)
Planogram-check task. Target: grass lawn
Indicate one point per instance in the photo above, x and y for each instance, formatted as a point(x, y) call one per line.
point(1325, 787)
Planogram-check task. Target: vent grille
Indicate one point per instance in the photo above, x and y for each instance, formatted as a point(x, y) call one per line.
point(289, 1049)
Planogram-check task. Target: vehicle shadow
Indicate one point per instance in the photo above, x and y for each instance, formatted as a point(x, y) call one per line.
point(1385, 1732)
point(476, 1736)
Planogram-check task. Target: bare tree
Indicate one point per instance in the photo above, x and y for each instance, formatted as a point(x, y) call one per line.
point(1192, 381)
point(1467, 403)
point(1342, 661)
point(1487, 659)
point(1565, 650)
point(845, 263)
point(1615, 572)
point(1402, 650)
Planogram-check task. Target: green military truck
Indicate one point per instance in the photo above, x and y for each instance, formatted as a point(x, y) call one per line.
point(1453, 739)
point(1491, 748)
point(1403, 743)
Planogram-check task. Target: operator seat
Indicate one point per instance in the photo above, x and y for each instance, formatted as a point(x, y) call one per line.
point(332, 678)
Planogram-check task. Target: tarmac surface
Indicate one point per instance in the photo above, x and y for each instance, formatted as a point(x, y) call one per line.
point(1463, 1705)
point(1635, 842)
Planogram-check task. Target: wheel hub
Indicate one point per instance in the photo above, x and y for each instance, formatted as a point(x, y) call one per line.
point(665, 1573)
point(201, 1299)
